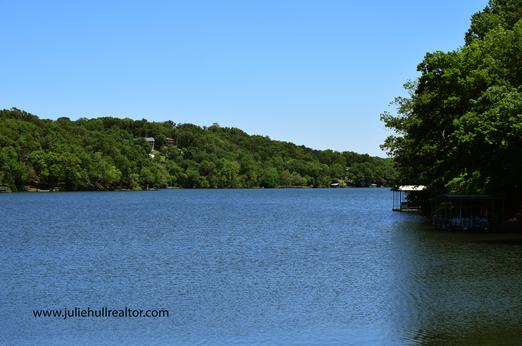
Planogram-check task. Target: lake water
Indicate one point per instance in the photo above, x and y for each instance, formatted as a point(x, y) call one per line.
point(251, 267)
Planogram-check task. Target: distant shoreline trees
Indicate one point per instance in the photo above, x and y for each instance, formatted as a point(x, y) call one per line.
point(111, 153)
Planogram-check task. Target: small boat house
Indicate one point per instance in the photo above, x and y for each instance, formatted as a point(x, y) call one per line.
point(403, 198)
point(467, 212)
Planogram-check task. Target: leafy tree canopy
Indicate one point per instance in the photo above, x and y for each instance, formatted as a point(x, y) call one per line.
point(110, 153)
point(460, 128)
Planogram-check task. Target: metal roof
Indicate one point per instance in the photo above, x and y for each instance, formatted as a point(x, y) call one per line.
point(478, 196)
point(409, 188)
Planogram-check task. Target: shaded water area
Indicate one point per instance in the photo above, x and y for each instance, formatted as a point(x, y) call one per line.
point(251, 267)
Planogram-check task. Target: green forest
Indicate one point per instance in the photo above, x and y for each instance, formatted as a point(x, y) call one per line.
point(112, 154)
point(460, 128)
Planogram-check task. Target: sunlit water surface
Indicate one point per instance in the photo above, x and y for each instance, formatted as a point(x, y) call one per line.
point(251, 267)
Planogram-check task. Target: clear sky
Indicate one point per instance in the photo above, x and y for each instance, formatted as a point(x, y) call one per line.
point(316, 73)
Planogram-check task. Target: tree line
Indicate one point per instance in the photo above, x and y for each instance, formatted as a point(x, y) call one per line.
point(460, 128)
point(111, 153)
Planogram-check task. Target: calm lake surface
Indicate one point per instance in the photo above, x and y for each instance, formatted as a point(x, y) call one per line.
point(251, 267)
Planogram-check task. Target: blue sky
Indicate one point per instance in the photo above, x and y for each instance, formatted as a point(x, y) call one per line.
point(316, 73)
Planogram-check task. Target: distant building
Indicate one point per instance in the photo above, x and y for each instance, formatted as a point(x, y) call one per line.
point(170, 141)
point(150, 141)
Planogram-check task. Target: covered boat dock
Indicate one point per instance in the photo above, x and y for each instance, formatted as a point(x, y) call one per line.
point(467, 212)
point(402, 198)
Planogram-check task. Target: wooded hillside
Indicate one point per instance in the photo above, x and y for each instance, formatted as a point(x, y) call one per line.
point(111, 153)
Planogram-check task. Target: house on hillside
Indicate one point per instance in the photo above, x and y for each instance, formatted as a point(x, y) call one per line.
point(150, 141)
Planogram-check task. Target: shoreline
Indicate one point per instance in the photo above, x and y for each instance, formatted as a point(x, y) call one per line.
point(202, 188)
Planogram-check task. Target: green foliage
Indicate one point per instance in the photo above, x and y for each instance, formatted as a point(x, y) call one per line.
point(466, 184)
point(498, 13)
point(460, 129)
point(110, 153)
